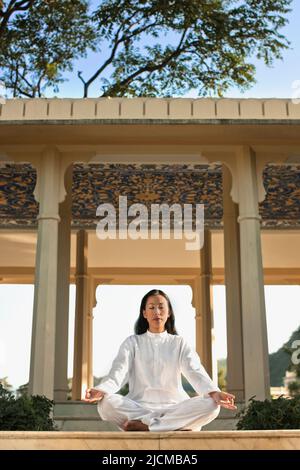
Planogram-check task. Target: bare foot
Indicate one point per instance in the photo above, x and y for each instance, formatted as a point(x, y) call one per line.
point(135, 425)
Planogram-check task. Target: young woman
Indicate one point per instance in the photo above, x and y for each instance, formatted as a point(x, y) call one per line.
point(152, 361)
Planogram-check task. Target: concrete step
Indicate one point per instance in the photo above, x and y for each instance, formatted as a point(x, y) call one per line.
point(75, 408)
point(220, 424)
point(226, 421)
point(91, 424)
point(68, 423)
point(80, 416)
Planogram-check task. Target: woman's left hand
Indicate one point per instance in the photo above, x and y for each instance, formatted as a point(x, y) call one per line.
point(224, 399)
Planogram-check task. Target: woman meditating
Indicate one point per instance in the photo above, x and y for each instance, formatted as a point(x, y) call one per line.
point(152, 361)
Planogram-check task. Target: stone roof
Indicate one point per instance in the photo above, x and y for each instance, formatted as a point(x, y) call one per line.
point(276, 121)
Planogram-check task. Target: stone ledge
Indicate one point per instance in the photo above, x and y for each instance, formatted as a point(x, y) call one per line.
point(54, 109)
point(205, 440)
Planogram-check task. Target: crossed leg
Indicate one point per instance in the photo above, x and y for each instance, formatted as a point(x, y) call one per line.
point(129, 415)
point(122, 411)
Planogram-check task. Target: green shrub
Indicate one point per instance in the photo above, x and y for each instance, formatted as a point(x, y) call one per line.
point(26, 413)
point(294, 388)
point(280, 413)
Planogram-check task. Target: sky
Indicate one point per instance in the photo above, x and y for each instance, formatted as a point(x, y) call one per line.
point(121, 303)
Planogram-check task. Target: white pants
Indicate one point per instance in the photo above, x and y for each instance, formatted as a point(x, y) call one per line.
point(192, 413)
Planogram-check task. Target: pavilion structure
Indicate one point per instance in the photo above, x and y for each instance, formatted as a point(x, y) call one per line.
point(61, 158)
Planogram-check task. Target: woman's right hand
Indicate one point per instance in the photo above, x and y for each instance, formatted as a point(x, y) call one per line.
point(92, 395)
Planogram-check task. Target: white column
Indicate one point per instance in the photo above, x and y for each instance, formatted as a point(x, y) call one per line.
point(45, 292)
point(256, 362)
point(90, 318)
point(83, 344)
point(204, 314)
point(63, 287)
point(198, 319)
point(235, 362)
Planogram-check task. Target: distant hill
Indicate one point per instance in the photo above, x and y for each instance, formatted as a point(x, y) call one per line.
point(280, 361)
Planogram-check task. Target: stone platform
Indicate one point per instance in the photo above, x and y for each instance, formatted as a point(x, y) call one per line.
point(180, 440)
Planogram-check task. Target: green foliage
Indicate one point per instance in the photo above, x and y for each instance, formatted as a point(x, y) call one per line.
point(222, 374)
point(40, 43)
point(280, 361)
point(294, 388)
point(5, 383)
point(222, 384)
point(280, 413)
point(279, 364)
point(292, 349)
point(22, 390)
point(154, 48)
point(26, 413)
point(168, 47)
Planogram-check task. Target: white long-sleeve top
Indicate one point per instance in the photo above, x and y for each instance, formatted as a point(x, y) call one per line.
point(152, 363)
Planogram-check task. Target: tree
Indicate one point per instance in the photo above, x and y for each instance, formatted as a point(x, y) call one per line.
point(144, 47)
point(39, 41)
point(5, 383)
point(167, 47)
point(23, 390)
point(25, 413)
point(294, 366)
point(7, 10)
point(222, 384)
point(294, 388)
point(281, 360)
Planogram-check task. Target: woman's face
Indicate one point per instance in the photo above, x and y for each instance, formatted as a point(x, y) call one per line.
point(156, 313)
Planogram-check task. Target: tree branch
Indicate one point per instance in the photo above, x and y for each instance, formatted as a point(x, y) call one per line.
point(25, 93)
point(147, 68)
point(13, 7)
point(22, 75)
point(38, 85)
point(117, 42)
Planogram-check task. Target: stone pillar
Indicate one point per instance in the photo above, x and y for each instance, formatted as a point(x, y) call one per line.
point(90, 318)
point(63, 287)
point(83, 345)
point(235, 362)
point(256, 362)
point(49, 195)
point(204, 318)
point(198, 319)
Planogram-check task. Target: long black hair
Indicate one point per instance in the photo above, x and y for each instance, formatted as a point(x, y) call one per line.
point(141, 325)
